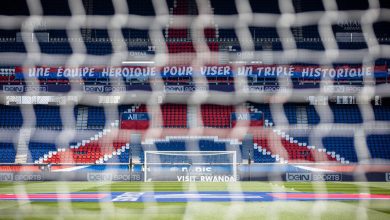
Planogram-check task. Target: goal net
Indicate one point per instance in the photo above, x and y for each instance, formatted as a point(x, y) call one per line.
point(191, 166)
point(72, 68)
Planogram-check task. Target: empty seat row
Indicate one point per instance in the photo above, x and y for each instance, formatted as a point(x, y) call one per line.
point(217, 116)
point(7, 153)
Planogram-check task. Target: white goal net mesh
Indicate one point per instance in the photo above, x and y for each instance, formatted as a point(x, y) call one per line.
point(237, 40)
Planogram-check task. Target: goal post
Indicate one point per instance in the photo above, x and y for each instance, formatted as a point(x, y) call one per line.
point(190, 166)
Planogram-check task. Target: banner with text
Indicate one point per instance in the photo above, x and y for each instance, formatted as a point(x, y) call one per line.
point(255, 119)
point(139, 120)
point(258, 71)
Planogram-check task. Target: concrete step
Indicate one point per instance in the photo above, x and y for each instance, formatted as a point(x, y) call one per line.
point(22, 147)
point(82, 118)
point(302, 115)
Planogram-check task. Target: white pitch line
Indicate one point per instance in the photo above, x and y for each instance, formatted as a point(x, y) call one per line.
point(313, 169)
point(70, 169)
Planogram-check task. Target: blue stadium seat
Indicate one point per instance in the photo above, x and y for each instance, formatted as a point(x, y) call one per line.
point(60, 7)
point(101, 48)
point(227, 33)
point(264, 6)
point(103, 8)
point(263, 107)
point(141, 7)
point(381, 29)
point(171, 146)
point(18, 7)
point(96, 117)
point(346, 113)
point(357, 5)
point(263, 32)
point(308, 5)
point(310, 45)
point(344, 146)
point(37, 150)
point(302, 140)
point(378, 146)
point(290, 109)
point(312, 115)
point(48, 117)
point(260, 157)
point(10, 116)
point(16, 47)
point(7, 153)
point(135, 33)
point(382, 113)
point(124, 157)
point(56, 48)
point(226, 7)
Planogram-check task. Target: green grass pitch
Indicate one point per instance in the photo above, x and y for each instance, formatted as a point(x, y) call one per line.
point(378, 209)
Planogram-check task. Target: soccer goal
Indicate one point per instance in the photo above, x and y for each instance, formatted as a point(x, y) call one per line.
point(191, 166)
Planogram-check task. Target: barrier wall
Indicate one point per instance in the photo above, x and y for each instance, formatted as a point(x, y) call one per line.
point(254, 172)
point(72, 176)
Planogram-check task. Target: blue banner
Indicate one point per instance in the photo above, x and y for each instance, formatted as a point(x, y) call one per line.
point(140, 116)
point(217, 71)
point(237, 116)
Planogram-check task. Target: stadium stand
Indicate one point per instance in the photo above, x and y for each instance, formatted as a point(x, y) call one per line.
point(141, 103)
point(346, 113)
point(378, 147)
point(38, 150)
point(11, 117)
point(7, 153)
point(216, 116)
point(266, 148)
point(289, 149)
point(342, 145)
point(261, 155)
point(112, 142)
point(48, 116)
point(174, 115)
point(382, 113)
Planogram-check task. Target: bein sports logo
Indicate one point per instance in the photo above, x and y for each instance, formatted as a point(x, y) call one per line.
point(183, 89)
point(21, 88)
point(108, 177)
point(104, 89)
point(306, 177)
point(99, 177)
point(6, 177)
point(13, 88)
point(298, 177)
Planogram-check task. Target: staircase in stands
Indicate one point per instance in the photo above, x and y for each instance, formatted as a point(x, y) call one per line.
point(22, 148)
point(112, 141)
point(287, 149)
point(98, 149)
